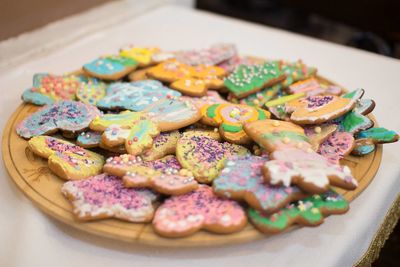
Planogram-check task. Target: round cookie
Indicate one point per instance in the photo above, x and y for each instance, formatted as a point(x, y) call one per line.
point(230, 119)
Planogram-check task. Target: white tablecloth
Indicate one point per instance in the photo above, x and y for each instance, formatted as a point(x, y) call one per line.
point(29, 238)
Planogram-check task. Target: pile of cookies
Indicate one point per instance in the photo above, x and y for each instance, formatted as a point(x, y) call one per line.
point(199, 140)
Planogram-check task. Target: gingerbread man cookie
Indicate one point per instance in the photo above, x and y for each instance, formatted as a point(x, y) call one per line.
point(230, 119)
point(310, 211)
point(64, 115)
point(65, 159)
point(104, 196)
point(186, 214)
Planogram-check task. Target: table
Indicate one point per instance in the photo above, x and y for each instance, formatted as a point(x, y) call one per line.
point(30, 238)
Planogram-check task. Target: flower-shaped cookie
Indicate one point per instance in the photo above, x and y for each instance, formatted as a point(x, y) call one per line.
point(189, 80)
point(48, 88)
point(104, 196)
point(310, 211)
point(64, 115)
point(230, 119)
point(67, 160)
point(241, 179)
point(135, 96)
point(184, 215)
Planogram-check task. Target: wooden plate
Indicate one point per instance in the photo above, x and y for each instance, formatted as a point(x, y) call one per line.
point(40, 185)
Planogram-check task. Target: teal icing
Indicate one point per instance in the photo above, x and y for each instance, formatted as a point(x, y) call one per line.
point(378, 135)
point(134, 96)
point(36, 98)
point(363, 150)
point(109, 65)
point(171, 110)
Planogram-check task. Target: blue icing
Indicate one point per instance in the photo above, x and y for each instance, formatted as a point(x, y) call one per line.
point(36, 98)
point(242, 176)
point(89, 138)
point(65, 114)
point(171, 110)
point(364, 150)
point(135, 96)
point(109, 65)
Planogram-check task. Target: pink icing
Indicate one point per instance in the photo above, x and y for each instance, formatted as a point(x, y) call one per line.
point(185, 214)
point(105, 196)
point(337, 146)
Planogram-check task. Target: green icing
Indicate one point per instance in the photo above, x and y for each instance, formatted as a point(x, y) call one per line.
point(259, 98)
point(379, 135)
point(231, 128)
point(309, 211)
point(354, 94)
point(280, 135)
point(211, 110)
point(126, 61)
point(261, 115)
point(295, 72)
point(247, 78)
point(353, 121)
point(363, 150)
